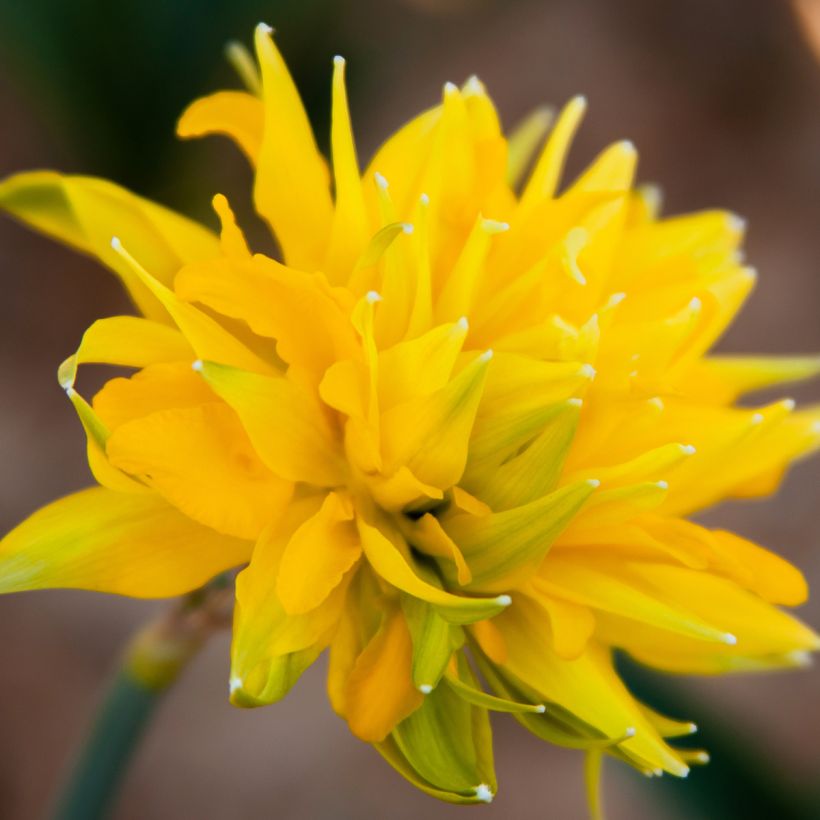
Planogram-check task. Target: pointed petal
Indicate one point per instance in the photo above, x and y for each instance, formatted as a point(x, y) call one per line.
point(501, 546)
point(391, 565)
point(97, 539)
point(85, 213)
point(292, 187)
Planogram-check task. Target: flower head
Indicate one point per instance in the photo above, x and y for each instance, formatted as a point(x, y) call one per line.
point(458, 429)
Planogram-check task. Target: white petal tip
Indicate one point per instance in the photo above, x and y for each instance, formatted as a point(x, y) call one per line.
point(373, 296)
point(70, 391)
point(197, 365)
point(663, 485)
point(729, 639)
point(630, 732)
point(264, 28)
point(695, 304)
point(688, 449)
point(424, 199)
point(450, 88)
point(789, 404)
point(473, 85)
point(463, 323)
point(484, 793)
point(407, 228)
point(486, 355)
point(575, 402)
point(587, 371)
point(493, 226)
point(737, 223)
point(692, 728)
point(381, 181)
point(657, 401)
point(116, 244)
point(540, 708)
point(425, 688)
point(757, 418)
point(616, 299)
point(503, 600)
point(594, 482)
point(628, 147)
point(234, 684)
point(339, 60)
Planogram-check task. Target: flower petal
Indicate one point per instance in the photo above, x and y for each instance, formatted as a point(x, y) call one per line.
point(201, 461)
point(107, 541)
point(317, 556)
point(85, 213)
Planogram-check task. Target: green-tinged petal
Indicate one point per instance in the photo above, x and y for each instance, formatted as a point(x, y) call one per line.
point(128, 341)
point(535, 471)
point(499, 546)
point(270, 648)
point(434, 641)
point(391, 752)
point(430, 435)
point(390, 564)
point(107, 541)
point(86, 213)
point(207, 337)
point(97, 434)
point(448, 743)
point(487, 701)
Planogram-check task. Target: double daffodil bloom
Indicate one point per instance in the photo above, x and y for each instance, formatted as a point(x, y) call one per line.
point(457, 431)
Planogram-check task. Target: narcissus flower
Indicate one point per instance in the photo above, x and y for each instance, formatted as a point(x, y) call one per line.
point(457, 431)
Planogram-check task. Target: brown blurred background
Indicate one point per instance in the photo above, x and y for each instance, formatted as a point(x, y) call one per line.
point(723, 101)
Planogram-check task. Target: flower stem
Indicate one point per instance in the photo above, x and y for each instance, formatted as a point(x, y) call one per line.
point(152, 662)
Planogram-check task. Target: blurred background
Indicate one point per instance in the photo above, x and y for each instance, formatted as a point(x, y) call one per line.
point(723, 101)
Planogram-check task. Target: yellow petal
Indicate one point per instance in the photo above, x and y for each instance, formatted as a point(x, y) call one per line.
point(524, 140)
point(391, 565)
point(128, 341)
point(380, 690)
point(86, 213)
point(101, 540)
point(288, 427)
point(235, 114)
point(430, 435)
point(201, 461)
point(291, 190)
point(206, 336)
point(156, 387)
point(773, 578)
point(351, 228)
point(317, 556)
point(278, 303)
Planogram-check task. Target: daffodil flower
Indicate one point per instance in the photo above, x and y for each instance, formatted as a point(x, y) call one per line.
point(453, 436)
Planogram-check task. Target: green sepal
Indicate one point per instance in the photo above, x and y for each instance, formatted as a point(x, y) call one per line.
point(448, 743)
point(434, 641)
point(271, 680)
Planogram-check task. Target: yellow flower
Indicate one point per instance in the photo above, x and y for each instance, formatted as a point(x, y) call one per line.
point(459, 429)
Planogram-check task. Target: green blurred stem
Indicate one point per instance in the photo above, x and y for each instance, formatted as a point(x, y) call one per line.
point(151, 663)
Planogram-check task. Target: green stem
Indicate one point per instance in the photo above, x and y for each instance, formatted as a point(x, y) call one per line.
point(152, 662)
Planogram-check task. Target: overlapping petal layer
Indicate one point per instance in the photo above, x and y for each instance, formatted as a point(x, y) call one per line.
point(454, 423)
